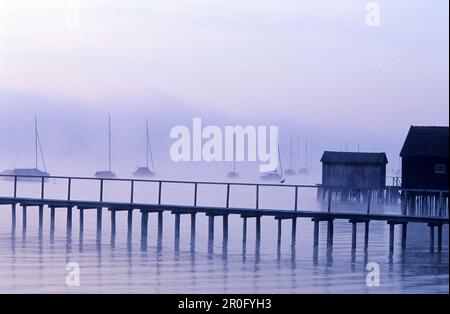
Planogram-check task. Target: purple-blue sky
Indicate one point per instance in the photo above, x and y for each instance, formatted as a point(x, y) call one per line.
point(313, 66)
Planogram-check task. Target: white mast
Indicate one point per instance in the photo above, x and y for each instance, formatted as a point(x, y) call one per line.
point(109, 141)
point(35, 143)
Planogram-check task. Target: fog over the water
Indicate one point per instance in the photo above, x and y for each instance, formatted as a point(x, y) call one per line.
point(74, 136)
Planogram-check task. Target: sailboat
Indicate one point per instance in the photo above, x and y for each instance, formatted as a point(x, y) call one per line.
point(233, 173)
point(107, 174)
point(276, 174)
point(290, 171)
point(305, 171)
point(145, 171)
point(31, 174)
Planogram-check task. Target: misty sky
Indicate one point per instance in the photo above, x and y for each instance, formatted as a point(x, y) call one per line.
point(313, 66)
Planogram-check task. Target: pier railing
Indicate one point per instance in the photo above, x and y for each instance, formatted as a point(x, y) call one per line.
point(409, 201)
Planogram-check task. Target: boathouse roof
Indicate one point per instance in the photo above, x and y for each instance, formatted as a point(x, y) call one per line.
point(430, 141)
point(354, 158)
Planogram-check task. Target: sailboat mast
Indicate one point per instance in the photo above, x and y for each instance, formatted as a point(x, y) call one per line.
point(147, 143)
point(35, 143)
point(109, 142)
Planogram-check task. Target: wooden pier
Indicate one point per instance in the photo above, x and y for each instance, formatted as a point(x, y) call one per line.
point(256, 213)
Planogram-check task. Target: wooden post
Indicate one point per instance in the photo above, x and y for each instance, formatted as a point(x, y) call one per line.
point(294, 231)
point(211, 228)
point(13, 217)
point(41, 217)
point(431, 238)
point(129, 224)
point(160, 222)
point(15, 186)
point(330, 231)
point(69, 188)
point(391, 236)
point(159, 192)
point(439, 229)
point(113, 221)
point(177, 226)
point(69, 220)
point(279, 233)
point(132, 192)
point(225, 227)
point(101, 190)
point(257, 196)
point(81, 213)
point(244, 230)
point(258, 229)
point(99, 220)
point(354, 230)
point(228, 196)
point(24, 217)
point(404, 233)
point(52, 221)
point(42, 188)
point(195, 194)
point(193, 220)
point(144, 225)
point(366, 235)
point(316, 233)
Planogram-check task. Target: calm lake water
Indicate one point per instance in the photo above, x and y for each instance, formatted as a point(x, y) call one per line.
point(34, 263)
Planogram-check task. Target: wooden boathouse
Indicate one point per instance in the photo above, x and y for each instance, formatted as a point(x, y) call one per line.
point(425, 167)
point(352, 174)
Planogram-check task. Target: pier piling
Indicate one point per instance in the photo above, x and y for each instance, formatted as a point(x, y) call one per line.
point(13, 217)
point(99, 220)
point(330, 231)
point(129, 224)
point(354, 230)
point(294, 232)
point(391, 236)
point(211, 228)
point(244, 230)
point(24, 217)
point(69, 221)
point(177, 227)
point(193, 221)
point(366, 235)
point(52, 222)
point(258, 229)
point(144, 225)
point(225, 227)
point(404, 234)
point(279, 233)
point(81, 214)
point(316, 233)
point(41, 218)
point(113, 222)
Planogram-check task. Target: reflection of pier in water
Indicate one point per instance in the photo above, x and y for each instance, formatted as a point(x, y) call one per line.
point(329, 196)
